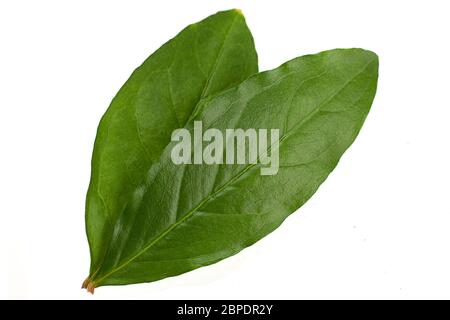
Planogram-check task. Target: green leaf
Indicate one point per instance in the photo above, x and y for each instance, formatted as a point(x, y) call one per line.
point(161, 95)
point(187, 216)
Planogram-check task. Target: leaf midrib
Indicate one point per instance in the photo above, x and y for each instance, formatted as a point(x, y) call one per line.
point(213, 70)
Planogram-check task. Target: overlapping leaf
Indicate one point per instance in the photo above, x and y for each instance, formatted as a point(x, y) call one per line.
point(183, 217)
point(161, 95)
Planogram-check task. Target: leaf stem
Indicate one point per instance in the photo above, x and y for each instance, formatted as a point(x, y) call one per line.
point(89, 285)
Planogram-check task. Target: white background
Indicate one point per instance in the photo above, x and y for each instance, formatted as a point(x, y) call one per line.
point(379, 227)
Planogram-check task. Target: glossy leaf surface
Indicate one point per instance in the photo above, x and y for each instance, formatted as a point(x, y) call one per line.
point(161, 95)
point(187, 216)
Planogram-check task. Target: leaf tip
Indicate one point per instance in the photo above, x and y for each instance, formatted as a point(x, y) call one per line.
point(239, 11)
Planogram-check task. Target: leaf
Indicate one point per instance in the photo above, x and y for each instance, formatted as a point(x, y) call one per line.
point(203, 59)
point(188, 216)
